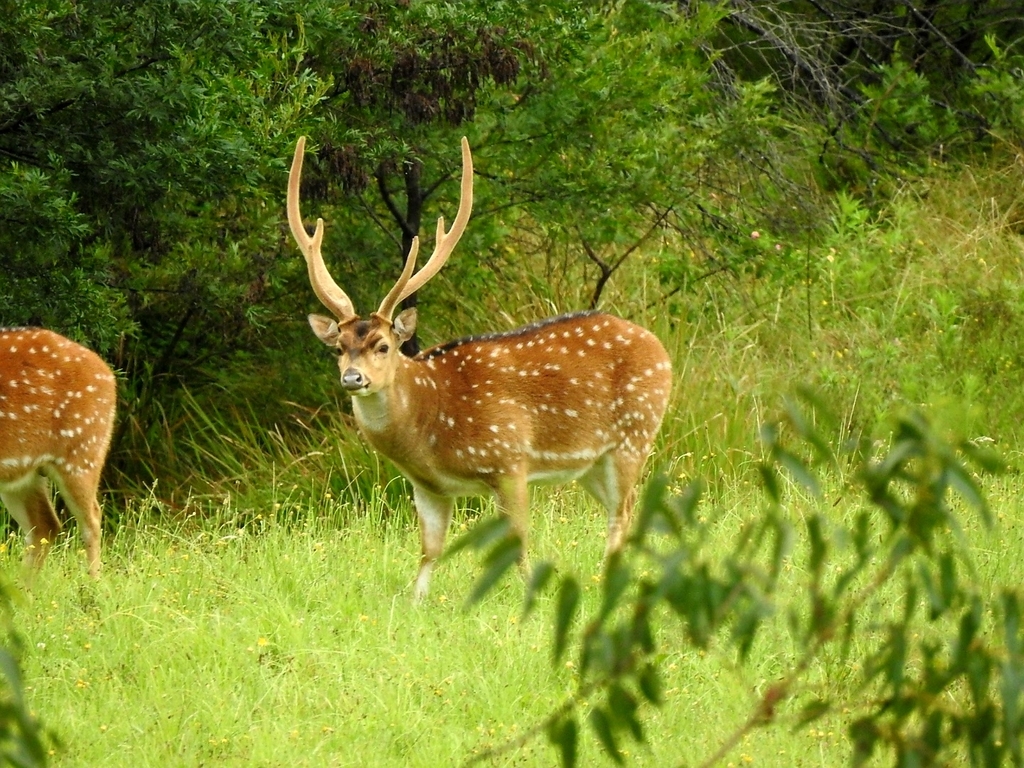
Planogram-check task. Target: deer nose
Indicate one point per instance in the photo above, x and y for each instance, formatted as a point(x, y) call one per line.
point(353, 380)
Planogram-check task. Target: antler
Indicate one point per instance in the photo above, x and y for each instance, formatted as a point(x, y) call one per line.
point(323, 284)
point(387, 307)
point(444, 243)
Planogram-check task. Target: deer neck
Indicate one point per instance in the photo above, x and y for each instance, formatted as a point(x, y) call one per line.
point(389, 415)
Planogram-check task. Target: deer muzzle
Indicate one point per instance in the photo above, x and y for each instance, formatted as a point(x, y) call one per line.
point(353, 380)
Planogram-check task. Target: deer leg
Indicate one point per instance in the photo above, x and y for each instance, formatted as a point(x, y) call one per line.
point(612, 481)
point(80, 494)
point(618, 523)
point(513, 498)
point(627, 468)
point(28, 501)
point(435, 514)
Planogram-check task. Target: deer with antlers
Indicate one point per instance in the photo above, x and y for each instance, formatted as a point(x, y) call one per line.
point(574, 397)
point(57, 404)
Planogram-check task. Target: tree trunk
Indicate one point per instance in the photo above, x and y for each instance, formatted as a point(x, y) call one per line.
point(413, 171)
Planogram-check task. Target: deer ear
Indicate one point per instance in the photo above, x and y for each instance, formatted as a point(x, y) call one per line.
point(405, 325)
point(325, 329)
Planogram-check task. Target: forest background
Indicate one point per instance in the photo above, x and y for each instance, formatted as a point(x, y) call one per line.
point(826, 193)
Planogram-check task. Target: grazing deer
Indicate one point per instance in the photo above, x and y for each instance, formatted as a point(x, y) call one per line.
point(575, 397)
point(57, 402)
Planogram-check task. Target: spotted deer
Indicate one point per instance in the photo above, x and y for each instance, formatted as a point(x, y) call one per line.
point(57, 403)
point(574, 397)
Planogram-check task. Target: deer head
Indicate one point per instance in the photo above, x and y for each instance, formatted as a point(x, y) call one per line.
point(57, 403)
point(369, 349)
point(574, 397)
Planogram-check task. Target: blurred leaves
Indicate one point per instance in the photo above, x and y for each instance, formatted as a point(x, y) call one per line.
point(21, 734)
point(941, 669)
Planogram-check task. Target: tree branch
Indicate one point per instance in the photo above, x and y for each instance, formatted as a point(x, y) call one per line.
point(389, 201)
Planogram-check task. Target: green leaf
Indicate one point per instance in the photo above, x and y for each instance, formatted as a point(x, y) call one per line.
point(947, 577)
point(862, 535)
point(649, 682)
point(985, 458)
point(616, 580)
point(847, 635)
point(9, 669)
point(936, 605)
point(568, 604)
point(805, 426)
point(811, 711)
point(651, 503)
point(1012, 674)
point(797, 469)
point(770, 479)
point(960, 480)
point(864, 732)
point(479, 536)
point(819, 546)
point(783, 546)
point(942, 592)
point(892, 463)
point(504, 555)
point(657, 512)
point(539, 578)
point(686, 503)
point(564, 734)
point(797, 418)
point(1011, 602)
point(602, 726)
point(769, 434)
point(24, 748)
point(895, 660)
point(643, 635)
point(745, 629)
point(623, 707)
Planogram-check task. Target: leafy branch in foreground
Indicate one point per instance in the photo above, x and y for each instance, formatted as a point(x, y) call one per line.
point(887, 586)
point(21, 735)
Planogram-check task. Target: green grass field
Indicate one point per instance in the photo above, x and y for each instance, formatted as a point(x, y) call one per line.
point(297, 644)
point(259, 627)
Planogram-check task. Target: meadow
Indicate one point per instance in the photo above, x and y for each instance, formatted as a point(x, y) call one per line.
point(268, 620)
point(276, 644)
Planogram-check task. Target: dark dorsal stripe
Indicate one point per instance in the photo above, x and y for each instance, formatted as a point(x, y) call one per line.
point(526, 330)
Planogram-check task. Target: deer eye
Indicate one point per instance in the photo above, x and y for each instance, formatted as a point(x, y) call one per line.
point(383, 349)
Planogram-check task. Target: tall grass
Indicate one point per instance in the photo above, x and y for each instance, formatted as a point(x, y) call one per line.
point(918, 302)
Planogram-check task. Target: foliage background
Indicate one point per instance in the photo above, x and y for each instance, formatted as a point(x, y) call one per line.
point(143, 148)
